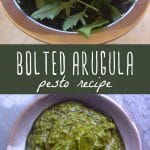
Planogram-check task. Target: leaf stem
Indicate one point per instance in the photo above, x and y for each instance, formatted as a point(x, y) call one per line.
point(87, 5)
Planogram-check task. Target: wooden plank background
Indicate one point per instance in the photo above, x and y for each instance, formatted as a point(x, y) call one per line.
point(137, 106)
point(9, 34)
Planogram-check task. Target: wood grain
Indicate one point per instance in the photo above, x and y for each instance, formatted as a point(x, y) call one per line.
point(10, 34)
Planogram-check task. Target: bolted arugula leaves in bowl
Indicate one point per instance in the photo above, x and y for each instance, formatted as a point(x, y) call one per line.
point(83, 16)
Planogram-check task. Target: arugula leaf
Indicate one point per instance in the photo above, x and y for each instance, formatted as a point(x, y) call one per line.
point(41, 3)
point(115, 13)
point(99, 23)
point(50, 11)
point(72, 21)
point(18, 1)
point(100, 3)
point(68, 11)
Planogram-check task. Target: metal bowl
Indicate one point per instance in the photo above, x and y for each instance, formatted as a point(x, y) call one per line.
point(53, 36)
point(104, 104)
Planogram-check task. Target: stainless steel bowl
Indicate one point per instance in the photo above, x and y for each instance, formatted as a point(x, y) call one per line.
point(54, 36)
point(104, 104)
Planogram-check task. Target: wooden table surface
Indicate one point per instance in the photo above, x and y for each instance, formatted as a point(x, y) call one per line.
point(137, 106)
point(10, 34)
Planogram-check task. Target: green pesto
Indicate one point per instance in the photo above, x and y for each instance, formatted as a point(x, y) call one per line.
point(72, 126)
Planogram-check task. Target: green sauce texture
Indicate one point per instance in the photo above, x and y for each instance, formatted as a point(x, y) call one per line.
point(72, 126)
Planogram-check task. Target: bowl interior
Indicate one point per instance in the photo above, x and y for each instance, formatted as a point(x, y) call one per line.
point(29, 10)
point(101, 103)
point(54, 36)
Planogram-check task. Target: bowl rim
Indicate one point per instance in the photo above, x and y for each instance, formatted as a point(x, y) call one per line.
point(73, 32)
point(109, 100)
point(53, 37)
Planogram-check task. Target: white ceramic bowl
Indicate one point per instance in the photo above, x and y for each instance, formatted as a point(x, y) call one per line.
point(104, 104)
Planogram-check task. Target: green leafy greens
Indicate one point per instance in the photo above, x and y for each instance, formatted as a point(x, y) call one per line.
point(72, 126)
point(83, 16)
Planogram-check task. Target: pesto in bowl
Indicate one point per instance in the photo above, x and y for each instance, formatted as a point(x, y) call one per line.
point(72, 126)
